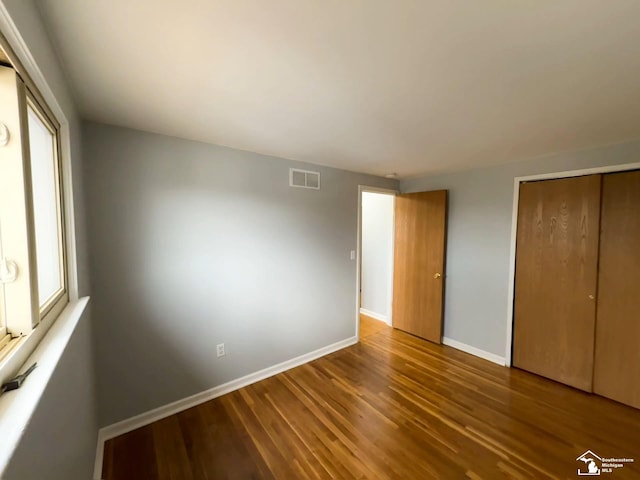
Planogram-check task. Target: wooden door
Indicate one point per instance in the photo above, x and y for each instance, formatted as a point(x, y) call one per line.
point(617, 358)
point(556, 275)
point(419, 252)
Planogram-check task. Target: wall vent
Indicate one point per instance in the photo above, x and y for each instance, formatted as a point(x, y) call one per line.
point(304, 179)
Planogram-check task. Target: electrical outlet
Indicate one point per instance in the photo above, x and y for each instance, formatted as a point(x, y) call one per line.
point(220, 350)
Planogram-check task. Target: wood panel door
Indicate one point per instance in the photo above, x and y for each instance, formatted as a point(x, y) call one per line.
point(419, 253)
point(556, 279)
point(617, 357)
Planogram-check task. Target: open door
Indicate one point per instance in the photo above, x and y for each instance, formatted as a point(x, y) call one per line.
point(419, 253)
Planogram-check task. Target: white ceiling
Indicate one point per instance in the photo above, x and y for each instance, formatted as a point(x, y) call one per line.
point(375, 86)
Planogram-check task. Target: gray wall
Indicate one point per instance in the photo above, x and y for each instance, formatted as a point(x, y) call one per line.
point(480, 210)
point(194, 245)
point(60, 440)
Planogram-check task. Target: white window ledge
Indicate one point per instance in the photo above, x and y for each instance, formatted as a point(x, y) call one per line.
point(17, 406)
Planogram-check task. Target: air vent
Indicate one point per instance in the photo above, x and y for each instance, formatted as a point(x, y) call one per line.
point(304, 179)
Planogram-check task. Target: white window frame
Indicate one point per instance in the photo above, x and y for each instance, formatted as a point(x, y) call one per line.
point(37, 90)
point(52, 308)
point(15, 200)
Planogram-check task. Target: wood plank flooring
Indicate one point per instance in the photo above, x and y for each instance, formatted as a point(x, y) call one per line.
point(370, 326)
point(394, 406)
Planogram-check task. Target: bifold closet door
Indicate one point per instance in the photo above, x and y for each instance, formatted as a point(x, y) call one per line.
point(617, 359)
point(556, 279)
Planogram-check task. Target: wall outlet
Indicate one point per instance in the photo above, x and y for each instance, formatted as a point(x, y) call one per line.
point(352, 255)
point(220, 350)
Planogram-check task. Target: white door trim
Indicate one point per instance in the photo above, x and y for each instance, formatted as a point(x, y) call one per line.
point(514, 228)
point(361, 189)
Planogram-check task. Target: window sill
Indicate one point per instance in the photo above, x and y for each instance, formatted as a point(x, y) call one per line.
point(17, 406)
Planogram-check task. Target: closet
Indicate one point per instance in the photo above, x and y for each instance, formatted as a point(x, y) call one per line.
point(577, 283)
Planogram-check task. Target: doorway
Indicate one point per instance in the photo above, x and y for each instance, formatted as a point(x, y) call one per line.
point(376, 260)
point(401, 252)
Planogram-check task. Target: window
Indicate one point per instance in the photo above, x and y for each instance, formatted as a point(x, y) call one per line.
point(45, 187)
point(33, 272)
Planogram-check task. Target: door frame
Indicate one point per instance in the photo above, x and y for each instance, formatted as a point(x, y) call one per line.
point(514, 229)
point(387, 191)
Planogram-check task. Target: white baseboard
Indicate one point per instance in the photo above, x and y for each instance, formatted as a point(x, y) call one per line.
point(375, 315)
point(124, 426)
point(492, 357)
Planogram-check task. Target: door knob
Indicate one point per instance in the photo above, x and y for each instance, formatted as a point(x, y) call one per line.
point(591, 297)
point(436, 275)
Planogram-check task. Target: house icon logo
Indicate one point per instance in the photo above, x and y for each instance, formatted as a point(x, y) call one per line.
point(592, 463)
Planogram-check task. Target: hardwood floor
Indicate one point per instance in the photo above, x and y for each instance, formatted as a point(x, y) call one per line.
point(393, 406)
point(370, 326)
